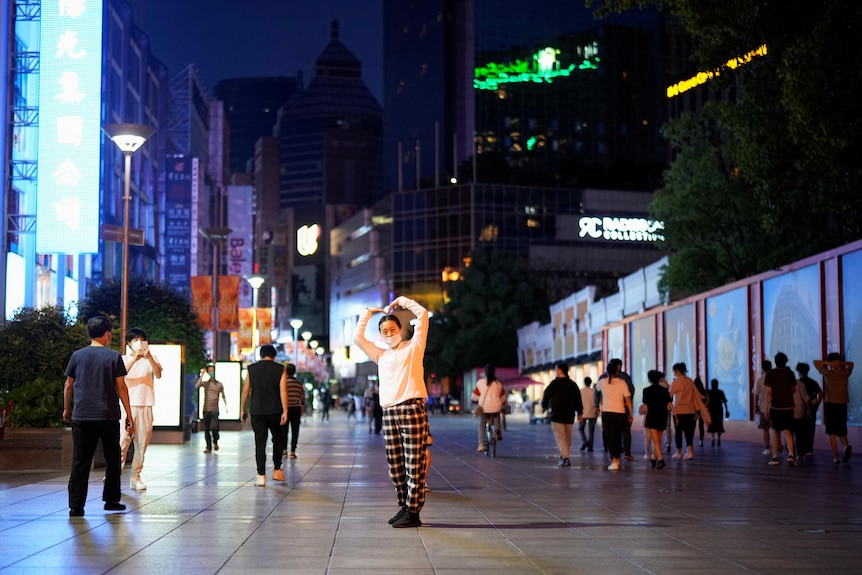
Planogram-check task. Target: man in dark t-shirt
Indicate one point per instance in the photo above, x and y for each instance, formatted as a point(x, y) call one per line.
point(266, 384)
point(780, 384)
point(95, 386)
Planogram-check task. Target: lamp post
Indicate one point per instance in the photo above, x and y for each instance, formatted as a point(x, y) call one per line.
point(295, 323)
point(255, 282)
point(129, 138)
point(217, 236)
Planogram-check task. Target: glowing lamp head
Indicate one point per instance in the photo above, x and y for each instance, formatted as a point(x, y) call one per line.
point(128, 137)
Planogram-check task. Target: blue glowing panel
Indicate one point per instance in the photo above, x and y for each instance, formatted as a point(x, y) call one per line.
point(67, 206)
point(727, 348)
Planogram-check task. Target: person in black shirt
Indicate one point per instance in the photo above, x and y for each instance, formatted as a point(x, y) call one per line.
point(266, 384)
point(563, 398)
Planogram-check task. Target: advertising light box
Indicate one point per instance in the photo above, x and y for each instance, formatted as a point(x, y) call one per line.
point(167, 411)
point(230, 374)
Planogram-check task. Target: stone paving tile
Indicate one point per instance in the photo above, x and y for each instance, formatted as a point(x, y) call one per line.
point(720, 513)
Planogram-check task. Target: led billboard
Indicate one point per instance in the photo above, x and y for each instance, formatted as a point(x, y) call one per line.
point(67, 204)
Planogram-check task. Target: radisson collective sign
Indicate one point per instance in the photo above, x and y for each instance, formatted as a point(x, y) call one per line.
point(620, 229)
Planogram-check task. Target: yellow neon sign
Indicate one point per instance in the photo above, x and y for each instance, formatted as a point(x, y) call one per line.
point(704, 77)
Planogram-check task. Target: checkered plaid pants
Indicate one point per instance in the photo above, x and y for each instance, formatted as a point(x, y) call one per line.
point(405, 431)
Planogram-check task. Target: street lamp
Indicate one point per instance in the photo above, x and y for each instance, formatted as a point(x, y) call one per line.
point(295, 323)
point(129, 138)
point(217, 236)
point(255, 282)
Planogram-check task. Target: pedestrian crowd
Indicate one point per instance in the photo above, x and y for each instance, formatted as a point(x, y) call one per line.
point(104, 387)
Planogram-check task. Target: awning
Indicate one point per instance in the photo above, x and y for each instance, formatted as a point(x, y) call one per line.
point(519, 382)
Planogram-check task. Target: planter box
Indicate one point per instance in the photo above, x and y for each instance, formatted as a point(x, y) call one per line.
point(23, 448)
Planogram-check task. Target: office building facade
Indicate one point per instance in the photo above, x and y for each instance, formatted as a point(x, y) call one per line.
point(63, 178)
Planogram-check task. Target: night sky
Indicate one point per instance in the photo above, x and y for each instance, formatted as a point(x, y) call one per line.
point(244, 38)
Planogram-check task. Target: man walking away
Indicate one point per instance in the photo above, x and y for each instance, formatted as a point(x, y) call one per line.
point(266, 384)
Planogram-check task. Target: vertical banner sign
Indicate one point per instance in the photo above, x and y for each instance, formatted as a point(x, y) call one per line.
point(246, 336)
point(178, 221)
point(70, 95)
point(264, 325)
point(202, 300)
point(239, 243)
point(228, 303)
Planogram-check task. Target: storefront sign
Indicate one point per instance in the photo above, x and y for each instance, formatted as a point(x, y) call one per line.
point(621, 229)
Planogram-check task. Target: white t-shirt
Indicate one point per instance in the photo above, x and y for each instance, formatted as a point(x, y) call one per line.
point(588, 399)
point(614, 391)
point(401, 373)
point(490, 402)
point(140, 381)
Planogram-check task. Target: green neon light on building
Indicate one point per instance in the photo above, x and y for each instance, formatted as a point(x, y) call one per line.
point(542, 68)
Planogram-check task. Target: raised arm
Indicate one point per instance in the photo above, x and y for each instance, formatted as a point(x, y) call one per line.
point(372, 351)
point(420, 332)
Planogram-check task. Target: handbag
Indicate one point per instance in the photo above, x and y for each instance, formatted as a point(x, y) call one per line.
point(702, 409)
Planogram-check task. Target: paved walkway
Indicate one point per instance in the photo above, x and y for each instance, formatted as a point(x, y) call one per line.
point(724, 512)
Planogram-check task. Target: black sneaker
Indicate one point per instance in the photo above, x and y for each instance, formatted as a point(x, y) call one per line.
point(566, 462)
point(397, 516)
point(76, 512)
point(848, 451)
point(408, 520)
point(560, 462)
point(660, 464)
point(114, 506)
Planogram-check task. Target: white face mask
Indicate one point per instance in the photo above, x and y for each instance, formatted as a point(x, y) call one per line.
point(393, 340)
point(135, 344)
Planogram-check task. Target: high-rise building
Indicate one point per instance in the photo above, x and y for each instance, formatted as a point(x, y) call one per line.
point(63, 179)
point(329, 135)
point(540, 90)
point(251, 106)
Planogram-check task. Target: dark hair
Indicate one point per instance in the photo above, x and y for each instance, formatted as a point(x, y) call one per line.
point(780, 359)
point(135, 333)
point(617, 361)
point(654, 376)
point(680, 367)
point(490, 373)
point(834, 356)
point(588, 381)
point(390, 317)
point(563, 366)
point(613, 368)
point(713, 383)
point(98, 326)
point(766, 365)
point(290, 369)
point(267, 351)
point(803, 368)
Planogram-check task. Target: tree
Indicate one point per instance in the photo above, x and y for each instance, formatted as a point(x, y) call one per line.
point(713, 223)
point(159, 309)
point(37, 343)
point(35, 346)
point(794, 130)
point(478, 325)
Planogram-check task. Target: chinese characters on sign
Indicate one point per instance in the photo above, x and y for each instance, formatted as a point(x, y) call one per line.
point(67, 216)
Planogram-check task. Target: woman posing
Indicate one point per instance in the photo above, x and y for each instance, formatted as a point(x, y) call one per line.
point(404, 397)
